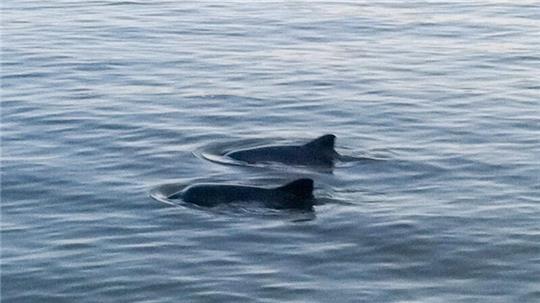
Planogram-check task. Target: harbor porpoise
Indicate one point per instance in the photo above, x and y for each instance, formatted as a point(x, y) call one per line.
point(297, 194)
point(319, 152)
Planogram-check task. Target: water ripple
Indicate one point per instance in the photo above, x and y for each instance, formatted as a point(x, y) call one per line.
point(105, 103)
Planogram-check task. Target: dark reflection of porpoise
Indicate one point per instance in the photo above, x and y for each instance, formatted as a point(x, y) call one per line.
point(319, 152)
point(294, 195)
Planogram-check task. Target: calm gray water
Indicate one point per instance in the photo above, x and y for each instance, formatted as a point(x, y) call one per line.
point(108, 104)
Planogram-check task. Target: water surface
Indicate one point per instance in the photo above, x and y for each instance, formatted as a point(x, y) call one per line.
point(105, 101)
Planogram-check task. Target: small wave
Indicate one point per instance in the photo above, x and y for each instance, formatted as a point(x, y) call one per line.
point(162, 193)
point(122, 3)
point(217, 153)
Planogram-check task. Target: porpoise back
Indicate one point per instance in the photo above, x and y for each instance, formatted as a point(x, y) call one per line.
point(297, 194)
point(319, 152)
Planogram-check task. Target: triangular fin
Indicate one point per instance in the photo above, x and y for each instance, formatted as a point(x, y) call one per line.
point(302, 188)
point(325, 143)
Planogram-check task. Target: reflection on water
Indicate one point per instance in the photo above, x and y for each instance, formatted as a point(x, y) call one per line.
point(107, 106)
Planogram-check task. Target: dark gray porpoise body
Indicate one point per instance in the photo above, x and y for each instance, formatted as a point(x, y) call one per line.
point(295, 195)
point(319, 152)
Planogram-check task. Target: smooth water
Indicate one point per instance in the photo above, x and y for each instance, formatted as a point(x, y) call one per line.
point(107, 103)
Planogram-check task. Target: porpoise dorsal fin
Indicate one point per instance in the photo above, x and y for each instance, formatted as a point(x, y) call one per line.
point(323, 143)
point(302, 188)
